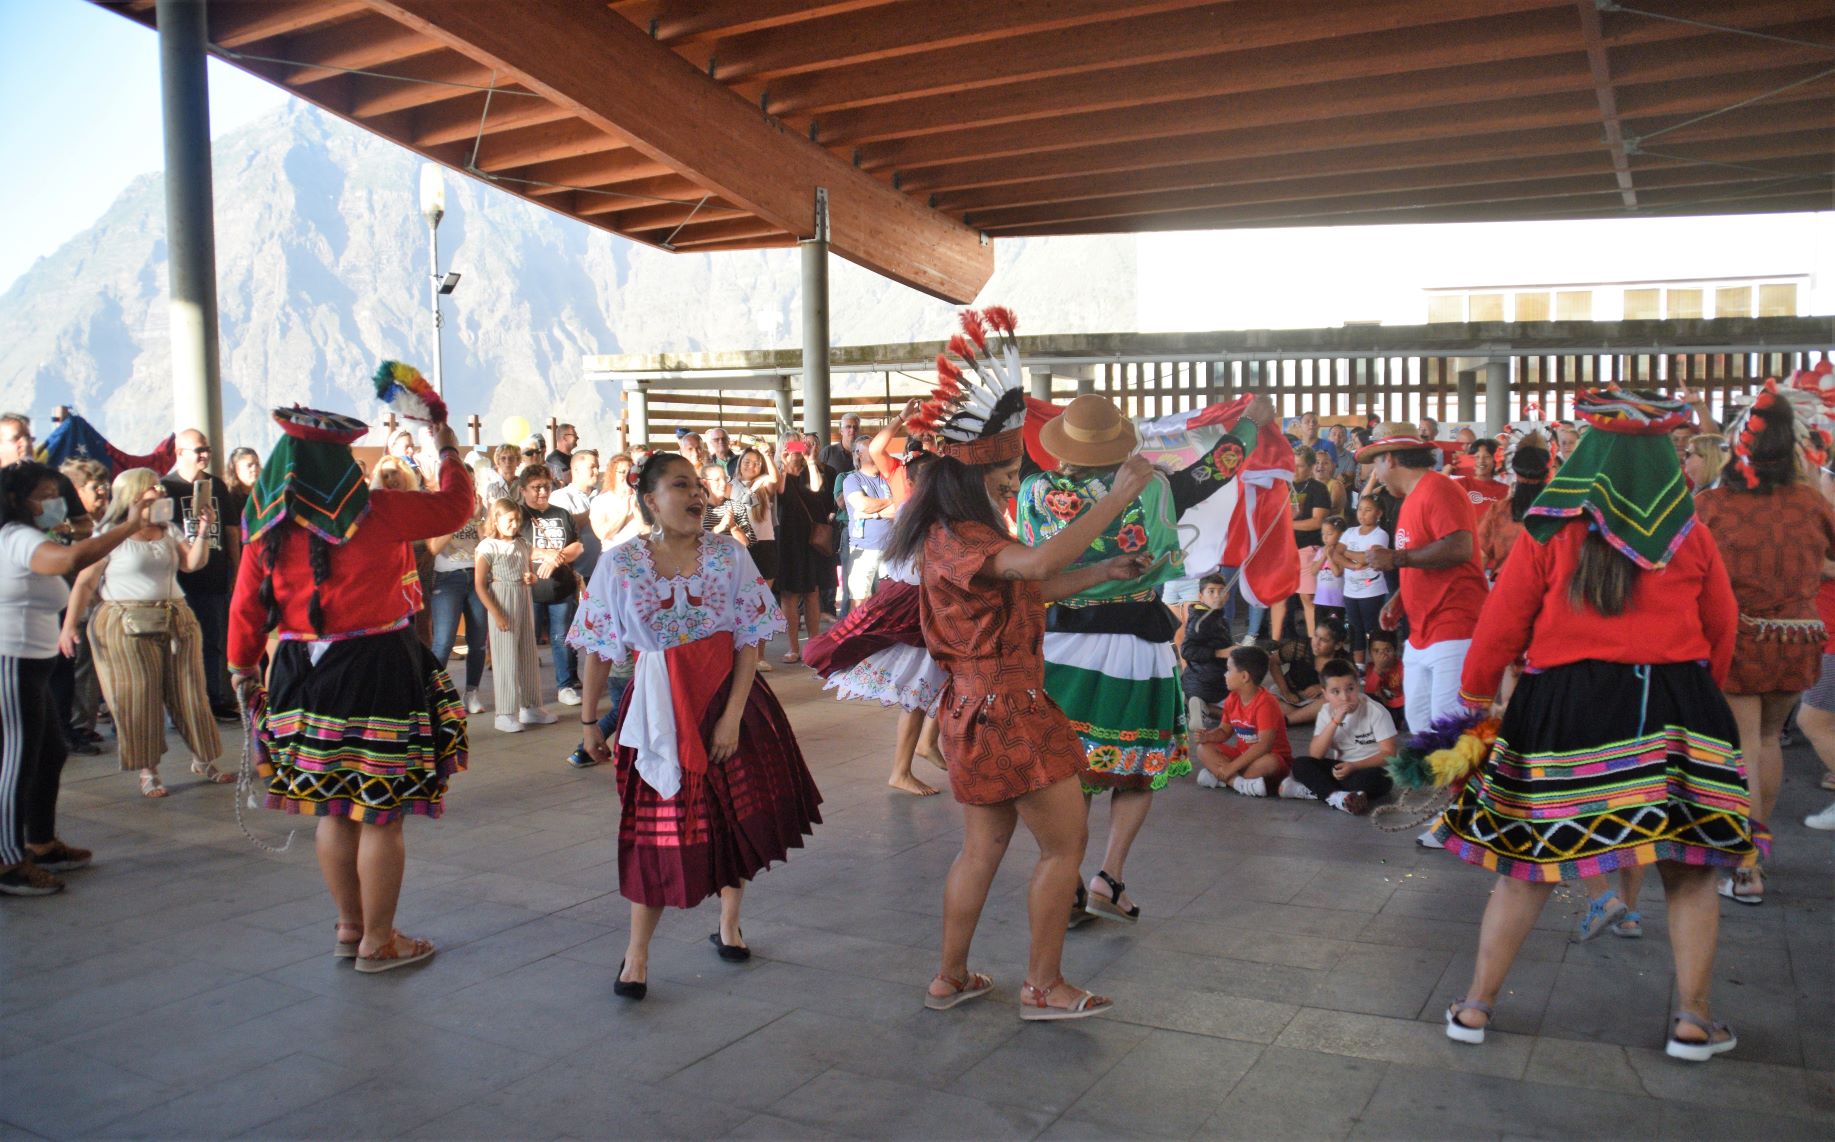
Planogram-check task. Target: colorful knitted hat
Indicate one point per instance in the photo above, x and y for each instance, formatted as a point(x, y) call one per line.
point(310, 477)
point(1624, 475)
point(977, 414)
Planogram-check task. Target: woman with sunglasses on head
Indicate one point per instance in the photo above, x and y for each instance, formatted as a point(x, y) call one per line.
point(712, 785)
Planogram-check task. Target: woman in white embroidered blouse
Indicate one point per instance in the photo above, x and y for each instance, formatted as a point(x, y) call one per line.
point(713, 786)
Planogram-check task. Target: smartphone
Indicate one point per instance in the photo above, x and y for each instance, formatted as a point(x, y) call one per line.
point(161, 511)
point(202, 496)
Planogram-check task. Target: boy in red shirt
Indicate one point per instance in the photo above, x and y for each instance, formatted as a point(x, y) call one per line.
point(1383, 677)
point(1250, 752)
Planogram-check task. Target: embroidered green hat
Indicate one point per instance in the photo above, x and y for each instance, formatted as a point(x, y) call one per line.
point(310, 477)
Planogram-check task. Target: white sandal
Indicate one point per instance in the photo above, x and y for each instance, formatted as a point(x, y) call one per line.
point(1459, 1032)
point(149, 784)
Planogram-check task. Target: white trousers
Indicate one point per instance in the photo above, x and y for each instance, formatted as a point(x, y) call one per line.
point(1430, 680)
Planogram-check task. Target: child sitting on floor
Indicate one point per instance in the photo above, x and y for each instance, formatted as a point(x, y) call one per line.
point(1383, 677)
point(1207, 643)
point(1301, 690)
point(1352, 738)
point(1249, 752)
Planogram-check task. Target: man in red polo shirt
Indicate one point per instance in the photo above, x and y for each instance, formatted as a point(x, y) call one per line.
point(1483, 487)
point(1443, 580)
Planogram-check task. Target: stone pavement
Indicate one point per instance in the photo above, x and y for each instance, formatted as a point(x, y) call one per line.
point(1287, 981)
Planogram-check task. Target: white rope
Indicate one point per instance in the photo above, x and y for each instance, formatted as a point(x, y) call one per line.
point(245, 785)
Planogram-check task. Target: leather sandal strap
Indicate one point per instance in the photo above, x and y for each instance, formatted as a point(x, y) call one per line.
point(1471, 1005)
point(1116, 887)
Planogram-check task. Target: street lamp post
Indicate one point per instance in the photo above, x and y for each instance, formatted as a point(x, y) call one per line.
point(433, 208)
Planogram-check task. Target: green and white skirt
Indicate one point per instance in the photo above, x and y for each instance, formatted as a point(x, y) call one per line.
point(1122, 695)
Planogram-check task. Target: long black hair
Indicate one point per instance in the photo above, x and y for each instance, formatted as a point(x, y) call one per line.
point(17, 483)
point(948, 493)
point(650, 475)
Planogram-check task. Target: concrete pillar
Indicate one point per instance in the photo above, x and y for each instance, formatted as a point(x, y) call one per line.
point(1497, 396)
point(786, 407)
point(637, 409)
point(1468, 394)
point(191, 245)
point(1086, 379)
point(1039, 383)
point(815, 323)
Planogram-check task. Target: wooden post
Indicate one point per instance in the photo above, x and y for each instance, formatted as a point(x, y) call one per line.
point(554, 428)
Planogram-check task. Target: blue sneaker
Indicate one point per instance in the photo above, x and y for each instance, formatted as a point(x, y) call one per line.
point(580, 759)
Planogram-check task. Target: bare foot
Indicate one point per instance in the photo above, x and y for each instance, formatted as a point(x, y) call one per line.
point(934, 759)
point(910, 784)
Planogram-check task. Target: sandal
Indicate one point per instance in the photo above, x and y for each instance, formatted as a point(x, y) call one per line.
point(1602, 911)
point(149, 784)
point(1080, 913)
point(1630, 926)
point(1828, 781)
point(345, 949)
point(793, 658)
point(1738, 887)
point(1035, 1003)
point(974, 986)
point(1109, 907)
point(211, 773)
point(396, 952)
point(1460, 1033)
point(1699, 1051)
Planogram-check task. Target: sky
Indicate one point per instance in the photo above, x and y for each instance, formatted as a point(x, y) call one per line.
point(91, 81)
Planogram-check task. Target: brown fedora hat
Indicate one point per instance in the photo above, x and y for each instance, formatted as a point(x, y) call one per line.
point(1090, 433)
point(1391, 436)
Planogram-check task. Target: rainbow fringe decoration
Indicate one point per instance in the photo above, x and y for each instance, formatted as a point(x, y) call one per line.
point(404, 389)
point(1448, 751)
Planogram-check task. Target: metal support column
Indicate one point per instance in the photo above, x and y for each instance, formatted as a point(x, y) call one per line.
point(191, 245)
point(815, 323)
point(1039, 383)
point(1497, 396)
point(786, 406)
point(637, 409)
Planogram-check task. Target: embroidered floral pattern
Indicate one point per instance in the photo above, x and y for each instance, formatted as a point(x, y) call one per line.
point(1132, 537)
point(1063, 504)
point(630, 606)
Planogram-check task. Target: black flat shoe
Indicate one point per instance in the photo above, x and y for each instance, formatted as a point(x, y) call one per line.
point(731, 953)
point(628, 989)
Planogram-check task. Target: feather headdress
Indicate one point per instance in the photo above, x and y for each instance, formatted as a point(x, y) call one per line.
point(404, 389)
point(979, 403)
point(1812, 420)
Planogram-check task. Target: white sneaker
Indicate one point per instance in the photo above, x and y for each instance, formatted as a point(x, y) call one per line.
point(508, 725)
point(1294, 790)
point(536, 716)
point(1822, 820)
point(1427, 840)
point(1207, 779)
point(473, 703)
point(567, 697)
point(1250, 786)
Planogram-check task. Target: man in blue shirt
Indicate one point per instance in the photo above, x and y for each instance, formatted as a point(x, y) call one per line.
point(869, 523)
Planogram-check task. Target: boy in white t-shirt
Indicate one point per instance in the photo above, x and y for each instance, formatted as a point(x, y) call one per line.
point(1365, 590)
point(1351, 739)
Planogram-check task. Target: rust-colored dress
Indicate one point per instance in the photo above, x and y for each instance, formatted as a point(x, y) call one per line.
point(1002, 735)
point(1774, 544)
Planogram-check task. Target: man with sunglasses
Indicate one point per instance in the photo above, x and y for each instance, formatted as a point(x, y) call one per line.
point(207, 589)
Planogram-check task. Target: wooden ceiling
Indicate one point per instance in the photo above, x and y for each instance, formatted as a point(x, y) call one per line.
point(937, 124)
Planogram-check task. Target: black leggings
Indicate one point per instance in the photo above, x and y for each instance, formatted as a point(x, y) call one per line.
point(31, 756)
point(1316, 775)
point(1362, 615)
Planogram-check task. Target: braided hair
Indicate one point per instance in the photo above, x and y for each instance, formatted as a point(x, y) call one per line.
point(318, 557)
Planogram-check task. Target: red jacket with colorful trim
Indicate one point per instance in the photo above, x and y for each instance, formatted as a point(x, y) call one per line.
point(372, 587)
point(1683, 613)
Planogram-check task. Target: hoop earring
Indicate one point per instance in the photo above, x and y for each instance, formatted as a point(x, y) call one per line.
point(656, 533)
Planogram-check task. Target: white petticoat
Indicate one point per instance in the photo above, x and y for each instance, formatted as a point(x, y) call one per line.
point(899, 675)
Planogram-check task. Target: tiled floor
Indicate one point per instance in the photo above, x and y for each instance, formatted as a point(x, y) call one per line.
point(1287, 981)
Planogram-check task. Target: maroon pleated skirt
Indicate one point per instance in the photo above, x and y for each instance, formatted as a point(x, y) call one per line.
point(722, 827)
point(889, 618)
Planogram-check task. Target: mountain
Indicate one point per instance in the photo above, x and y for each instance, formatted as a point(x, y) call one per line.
point(321, 269)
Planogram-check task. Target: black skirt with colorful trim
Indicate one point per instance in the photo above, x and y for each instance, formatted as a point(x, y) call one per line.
point(1603, 765)
point(371, 732)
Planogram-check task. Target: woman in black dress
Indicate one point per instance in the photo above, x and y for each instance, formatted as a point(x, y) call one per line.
point(804, 505)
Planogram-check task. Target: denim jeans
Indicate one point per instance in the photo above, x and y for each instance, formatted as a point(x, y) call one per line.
point(454, 595)
point(559, 618)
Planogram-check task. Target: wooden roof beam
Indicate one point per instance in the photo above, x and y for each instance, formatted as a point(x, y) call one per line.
point(565, 49)
point(563, 139)
point(671, 215)
point(240, 23)
point(691, 21)
point(461, 117)
point(1576, 108)
point(368, 42)
point(663, 190)
point(1244, 26)
point(428, 79)
point(699, 233)
point(1470, 43)
point(910, 27)
point(1444, 87)
point(601, 171)
point(1601, 67)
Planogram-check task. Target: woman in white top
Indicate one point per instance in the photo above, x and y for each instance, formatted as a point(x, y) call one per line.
point(32, 591)
point(148, 647)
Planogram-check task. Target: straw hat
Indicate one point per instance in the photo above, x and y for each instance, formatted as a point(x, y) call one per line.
point(1391, 436)
point(1090, 433)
